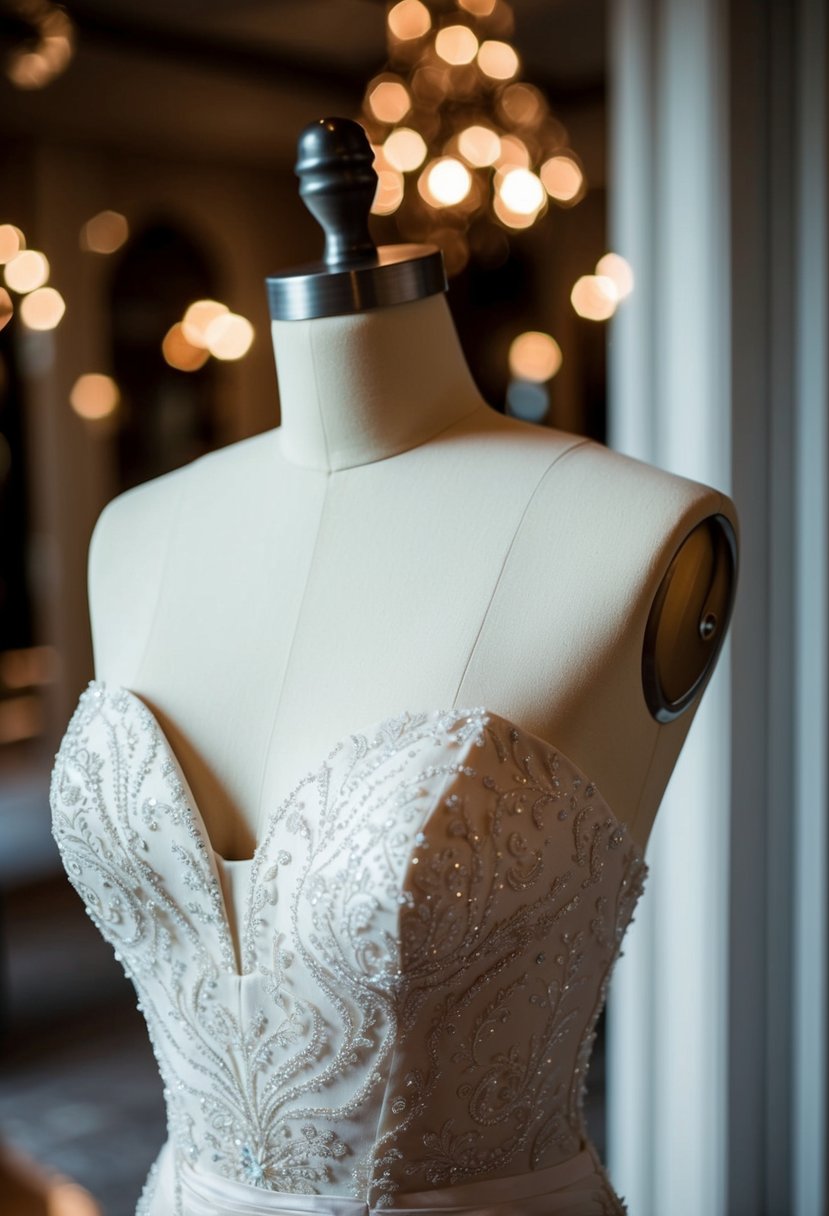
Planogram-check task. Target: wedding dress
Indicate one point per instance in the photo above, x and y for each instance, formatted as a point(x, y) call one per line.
point(392, 1004)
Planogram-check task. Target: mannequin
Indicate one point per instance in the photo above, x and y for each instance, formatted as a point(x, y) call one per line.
point(372, 945)
point(396, 543)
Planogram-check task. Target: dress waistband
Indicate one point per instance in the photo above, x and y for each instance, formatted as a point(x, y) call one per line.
point(574, 1188)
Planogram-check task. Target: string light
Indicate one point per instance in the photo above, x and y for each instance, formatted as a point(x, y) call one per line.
point(27, 271)
point(614, 266)
point(42, 309)
point(594, 297)
point(6, 308)
point(12, 241)
point(104, 233)
point(94, 396)
point(452, 78)
point(33, 66)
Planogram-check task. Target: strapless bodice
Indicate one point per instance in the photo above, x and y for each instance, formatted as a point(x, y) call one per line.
point(401, 995)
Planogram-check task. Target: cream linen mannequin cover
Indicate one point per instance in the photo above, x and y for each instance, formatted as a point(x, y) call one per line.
point(392, 1005)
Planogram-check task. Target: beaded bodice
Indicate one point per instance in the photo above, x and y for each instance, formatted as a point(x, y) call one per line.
point(407, 993)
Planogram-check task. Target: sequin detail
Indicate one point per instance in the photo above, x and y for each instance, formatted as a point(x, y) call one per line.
point(425, 943)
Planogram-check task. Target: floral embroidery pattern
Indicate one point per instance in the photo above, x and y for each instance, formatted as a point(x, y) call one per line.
point(423, 951)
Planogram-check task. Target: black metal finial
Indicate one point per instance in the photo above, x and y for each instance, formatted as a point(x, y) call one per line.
point(337, 185)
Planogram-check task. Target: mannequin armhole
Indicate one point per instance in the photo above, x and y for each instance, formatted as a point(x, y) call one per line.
point(689, 618)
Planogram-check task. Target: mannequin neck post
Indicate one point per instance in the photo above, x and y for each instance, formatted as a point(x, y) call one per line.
point(360, 388)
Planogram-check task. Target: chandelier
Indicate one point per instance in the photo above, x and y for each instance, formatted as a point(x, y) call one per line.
point(467, 153)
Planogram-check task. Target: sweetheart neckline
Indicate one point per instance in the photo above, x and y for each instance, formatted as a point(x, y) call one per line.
point(369, 730)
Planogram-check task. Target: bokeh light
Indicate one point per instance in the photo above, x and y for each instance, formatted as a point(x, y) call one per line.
point(521, 192)
point(389, 101)
point(528, 400)
point(614, 266)
point(445, 182)
point(534, 356)
point(409, 19)
point(27, 271)
point(512, 219)
point(498, 60)
point(563, 179)
point(389, 193)
point(197, 318)
point(513, 151)
point(405, 149)
point(6, 308)
point(42, 309)
point(94, 396)
point(105, 232)
point(480, 146)
point(594, 297)
point(229, 336)
point(182, 354)
point(479, 8)
point(456, 44)
point(12, 241)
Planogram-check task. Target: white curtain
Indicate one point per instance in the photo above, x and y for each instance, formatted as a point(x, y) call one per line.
point(717, 1103)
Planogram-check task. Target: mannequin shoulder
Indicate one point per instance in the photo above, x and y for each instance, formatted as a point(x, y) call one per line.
point(130, 542)
point(679, 540)
point(130, 530)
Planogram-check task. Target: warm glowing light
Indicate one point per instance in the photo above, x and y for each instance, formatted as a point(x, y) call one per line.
point(28, 666)
point(389, 193)
point(594, 297)
point(182, 354)
point(445, 182)
point(27, 271)
point(389, 101)
point(563, 179)
point(94, 396)
point(409, 19)
point(30, 70)
point(481, 146)
point(480, 8)
point(617, 268)
point(105, 232)
point(534, 356)
point(522, 104)
point(521, 191)
point(20, 718)
point(498, 60)
point(6, 308)
point(405, 150)
point(513, 151)
point(512, 219)
point(229, 336)
point(196, 319)
point(42, 309)
point(69, 1199)
point(12, 241)
point(456, 44)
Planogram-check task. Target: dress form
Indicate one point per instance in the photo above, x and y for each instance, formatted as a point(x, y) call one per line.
point(394, 544)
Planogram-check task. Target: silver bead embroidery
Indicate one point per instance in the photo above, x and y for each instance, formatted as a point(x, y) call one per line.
point(402, 1026)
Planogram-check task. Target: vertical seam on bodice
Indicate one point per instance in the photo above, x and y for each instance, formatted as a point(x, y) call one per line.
point(136, 681)
point(485, 614)
point(289, 657)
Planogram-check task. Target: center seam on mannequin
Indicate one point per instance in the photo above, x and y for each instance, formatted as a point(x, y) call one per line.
point(320, 411)
point(278, 706)
point(510, 547)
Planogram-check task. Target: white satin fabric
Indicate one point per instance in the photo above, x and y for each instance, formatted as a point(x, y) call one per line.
point(577, 1187)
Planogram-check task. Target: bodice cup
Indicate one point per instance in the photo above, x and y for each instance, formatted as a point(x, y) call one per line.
point(401, 1000)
